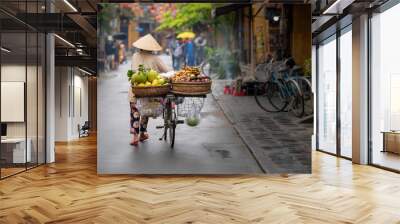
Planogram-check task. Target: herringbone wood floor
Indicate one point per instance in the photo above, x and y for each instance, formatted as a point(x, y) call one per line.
point(69, 191)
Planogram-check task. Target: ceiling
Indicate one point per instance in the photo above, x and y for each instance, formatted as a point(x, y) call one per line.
point(72, 20)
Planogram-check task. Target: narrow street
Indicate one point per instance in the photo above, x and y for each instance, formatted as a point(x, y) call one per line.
point(212, 147)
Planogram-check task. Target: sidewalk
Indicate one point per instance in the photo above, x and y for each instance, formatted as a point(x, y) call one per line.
point(278, 141)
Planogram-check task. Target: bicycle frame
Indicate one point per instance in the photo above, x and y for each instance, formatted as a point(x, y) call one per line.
point(170, 117)
point(287, 91)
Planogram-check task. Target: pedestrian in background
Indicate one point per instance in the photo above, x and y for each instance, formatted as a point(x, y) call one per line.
point(179, 54)
point(200, 43)
point(116, 55)
point(172, 46)
point(190, 53)
point(121, 53)
point(109, 54)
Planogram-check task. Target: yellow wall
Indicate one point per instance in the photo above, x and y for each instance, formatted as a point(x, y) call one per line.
point(301, 36)
point(133, 34)
point(261, 38)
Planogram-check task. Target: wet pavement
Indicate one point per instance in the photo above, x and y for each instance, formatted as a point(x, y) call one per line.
point(212, 147)
point(279, 142)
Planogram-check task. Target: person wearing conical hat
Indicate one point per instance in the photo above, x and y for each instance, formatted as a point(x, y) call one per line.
point(146, 46)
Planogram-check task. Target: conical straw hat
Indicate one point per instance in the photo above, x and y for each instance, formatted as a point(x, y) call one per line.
point(147, 43)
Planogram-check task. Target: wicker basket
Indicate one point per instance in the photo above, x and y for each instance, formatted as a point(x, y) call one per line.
point(191, 88)
point(151, 91)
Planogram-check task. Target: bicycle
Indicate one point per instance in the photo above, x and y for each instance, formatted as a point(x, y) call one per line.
point(280, 90)
point(304, 84)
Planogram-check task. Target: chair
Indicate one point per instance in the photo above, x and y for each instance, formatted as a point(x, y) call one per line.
point(84, 130)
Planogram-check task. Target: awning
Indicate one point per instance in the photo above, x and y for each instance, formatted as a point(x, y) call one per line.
point(229, 8)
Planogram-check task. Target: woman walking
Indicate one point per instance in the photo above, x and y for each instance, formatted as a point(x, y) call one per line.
point(190, 53)
point(146, 46)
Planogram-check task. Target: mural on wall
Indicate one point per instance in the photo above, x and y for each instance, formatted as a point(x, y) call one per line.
point(178, 84)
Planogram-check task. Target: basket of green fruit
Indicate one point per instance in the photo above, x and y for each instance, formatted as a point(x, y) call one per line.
point(148, 83)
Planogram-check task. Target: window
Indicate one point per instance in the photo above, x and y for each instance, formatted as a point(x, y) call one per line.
point(346, 92)
point(22, 86)
point(334, 106)
point(327, 96)
point(385, 89)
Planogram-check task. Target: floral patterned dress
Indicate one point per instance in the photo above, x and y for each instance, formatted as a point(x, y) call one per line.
point(149, 60)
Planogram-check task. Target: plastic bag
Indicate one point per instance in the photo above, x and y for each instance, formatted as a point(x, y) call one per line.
point(150, 107)
point(193, 117)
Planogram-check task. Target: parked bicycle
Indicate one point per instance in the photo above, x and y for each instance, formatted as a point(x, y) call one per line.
point(284, 89)
point(304, 84)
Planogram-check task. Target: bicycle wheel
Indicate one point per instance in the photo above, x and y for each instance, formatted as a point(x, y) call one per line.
point(167, 114)
point(306, 89)
point(166, 121)
point(276, 95)
point(296, 102)
point(172, 129)
point(261, 98)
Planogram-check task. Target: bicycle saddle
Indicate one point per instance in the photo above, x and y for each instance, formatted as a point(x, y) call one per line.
point(296, 68)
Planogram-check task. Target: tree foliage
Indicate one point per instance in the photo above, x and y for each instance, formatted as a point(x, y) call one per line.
point(186, 16)
point(110, 11)
point(105, 15)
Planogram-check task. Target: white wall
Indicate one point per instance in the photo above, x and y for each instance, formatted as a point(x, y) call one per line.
point(62, 82)
point(80, 110)
point(70, 83)
point(33, 126)
point(12, 73)
point(12, 101)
